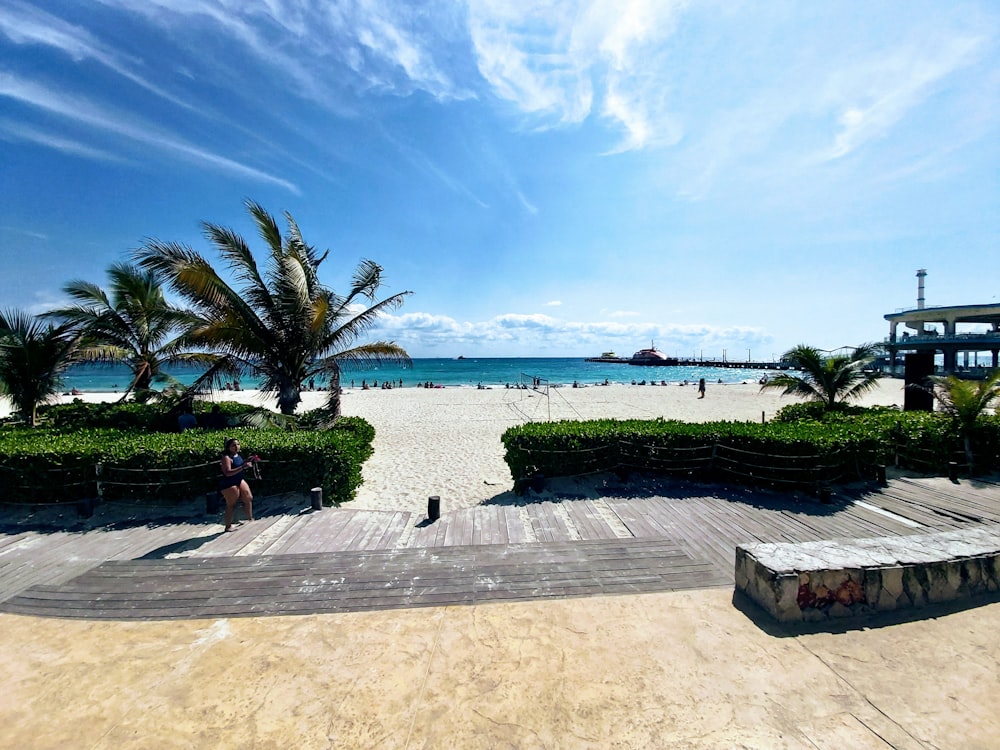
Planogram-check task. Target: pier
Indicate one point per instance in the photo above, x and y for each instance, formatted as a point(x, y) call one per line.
point(673, 362)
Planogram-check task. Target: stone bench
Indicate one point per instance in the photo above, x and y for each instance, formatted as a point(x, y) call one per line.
point(811, 581)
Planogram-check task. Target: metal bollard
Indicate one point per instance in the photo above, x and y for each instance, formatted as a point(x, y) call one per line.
point(825, 494)
point(316, 496)
point(434, 507)
point(953, 471)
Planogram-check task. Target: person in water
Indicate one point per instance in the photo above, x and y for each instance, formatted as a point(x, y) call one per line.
point(232, 485)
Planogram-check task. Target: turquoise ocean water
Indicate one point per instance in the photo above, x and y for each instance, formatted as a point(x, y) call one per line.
point(456, 372)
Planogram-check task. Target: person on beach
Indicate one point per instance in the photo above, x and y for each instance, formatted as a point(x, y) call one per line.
point(701, 388)
point(216, 420)
point(187, 420)
point(232, 485)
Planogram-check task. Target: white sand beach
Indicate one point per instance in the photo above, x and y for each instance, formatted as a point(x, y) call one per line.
point(446, 441)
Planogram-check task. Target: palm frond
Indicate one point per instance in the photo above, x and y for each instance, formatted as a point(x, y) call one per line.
point(830, 380)
point(34, 354)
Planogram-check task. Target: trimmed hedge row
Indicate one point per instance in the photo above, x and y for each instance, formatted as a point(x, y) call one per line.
point(80, 415)
point(842, 447)
point(48, 465)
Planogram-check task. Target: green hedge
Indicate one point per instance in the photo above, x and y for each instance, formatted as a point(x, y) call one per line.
point(80, 415)
point(50, 465)
point(841, 447)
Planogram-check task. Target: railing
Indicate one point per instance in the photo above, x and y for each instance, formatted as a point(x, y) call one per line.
point(990, 338)
point(104, 482)
point(710, 462)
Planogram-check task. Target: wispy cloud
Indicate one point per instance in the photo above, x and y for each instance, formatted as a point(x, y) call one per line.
point(827, 98)
point(553, 303)
point(16, 131)
point(425, 164)
point(83, 111)
point(25, 232)
point(558, 62)
point(873, 96)
point(376, 45)
point(24, 24)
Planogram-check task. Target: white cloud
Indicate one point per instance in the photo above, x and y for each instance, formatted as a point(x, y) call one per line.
point(553, 59)
point(511, 333)
point(553, 303)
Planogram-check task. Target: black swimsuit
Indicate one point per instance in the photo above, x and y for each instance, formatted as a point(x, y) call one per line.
point(235, 479)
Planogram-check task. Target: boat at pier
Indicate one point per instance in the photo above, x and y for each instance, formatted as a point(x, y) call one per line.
point(652, 357)
point(608, 357)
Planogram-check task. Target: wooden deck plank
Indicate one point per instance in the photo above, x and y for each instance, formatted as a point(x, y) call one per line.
point(489, 573)
point(513, 524)
point(393, 530)
point(954, 502)
point(640, 523)
point(348, 555)
point(354, 528)
point(588, 521)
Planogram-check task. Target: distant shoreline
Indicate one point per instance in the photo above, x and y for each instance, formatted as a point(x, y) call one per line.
point(469, 372)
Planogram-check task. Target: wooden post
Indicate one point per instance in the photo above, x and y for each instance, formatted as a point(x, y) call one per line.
point(953, 471)
point(434, 507)
point(880, 474)
point(316, 496)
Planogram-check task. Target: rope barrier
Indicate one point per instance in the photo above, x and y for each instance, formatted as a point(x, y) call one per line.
point(768, 467)
point(665, 448)
point(776, 455)
point(797, 470)
point(563, 452)
point(112, 467)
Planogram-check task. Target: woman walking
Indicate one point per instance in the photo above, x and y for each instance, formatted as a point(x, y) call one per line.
point(233, 486)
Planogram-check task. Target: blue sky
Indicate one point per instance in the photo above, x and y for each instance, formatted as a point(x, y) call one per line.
point(547, 178)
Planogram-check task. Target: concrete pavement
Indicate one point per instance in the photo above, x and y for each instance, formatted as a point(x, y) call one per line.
point(668, 670)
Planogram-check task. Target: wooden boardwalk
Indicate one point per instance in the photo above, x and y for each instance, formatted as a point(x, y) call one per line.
point(652, 535)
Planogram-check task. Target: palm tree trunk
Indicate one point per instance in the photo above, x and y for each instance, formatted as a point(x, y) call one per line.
point(289, 396)
point(967, 441)
point(335, 393)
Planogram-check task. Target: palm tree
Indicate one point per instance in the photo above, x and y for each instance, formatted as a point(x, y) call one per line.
point(33, 356)
point(965, 401)
point(830, 380)
point(134, 324)
point(281, 322)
